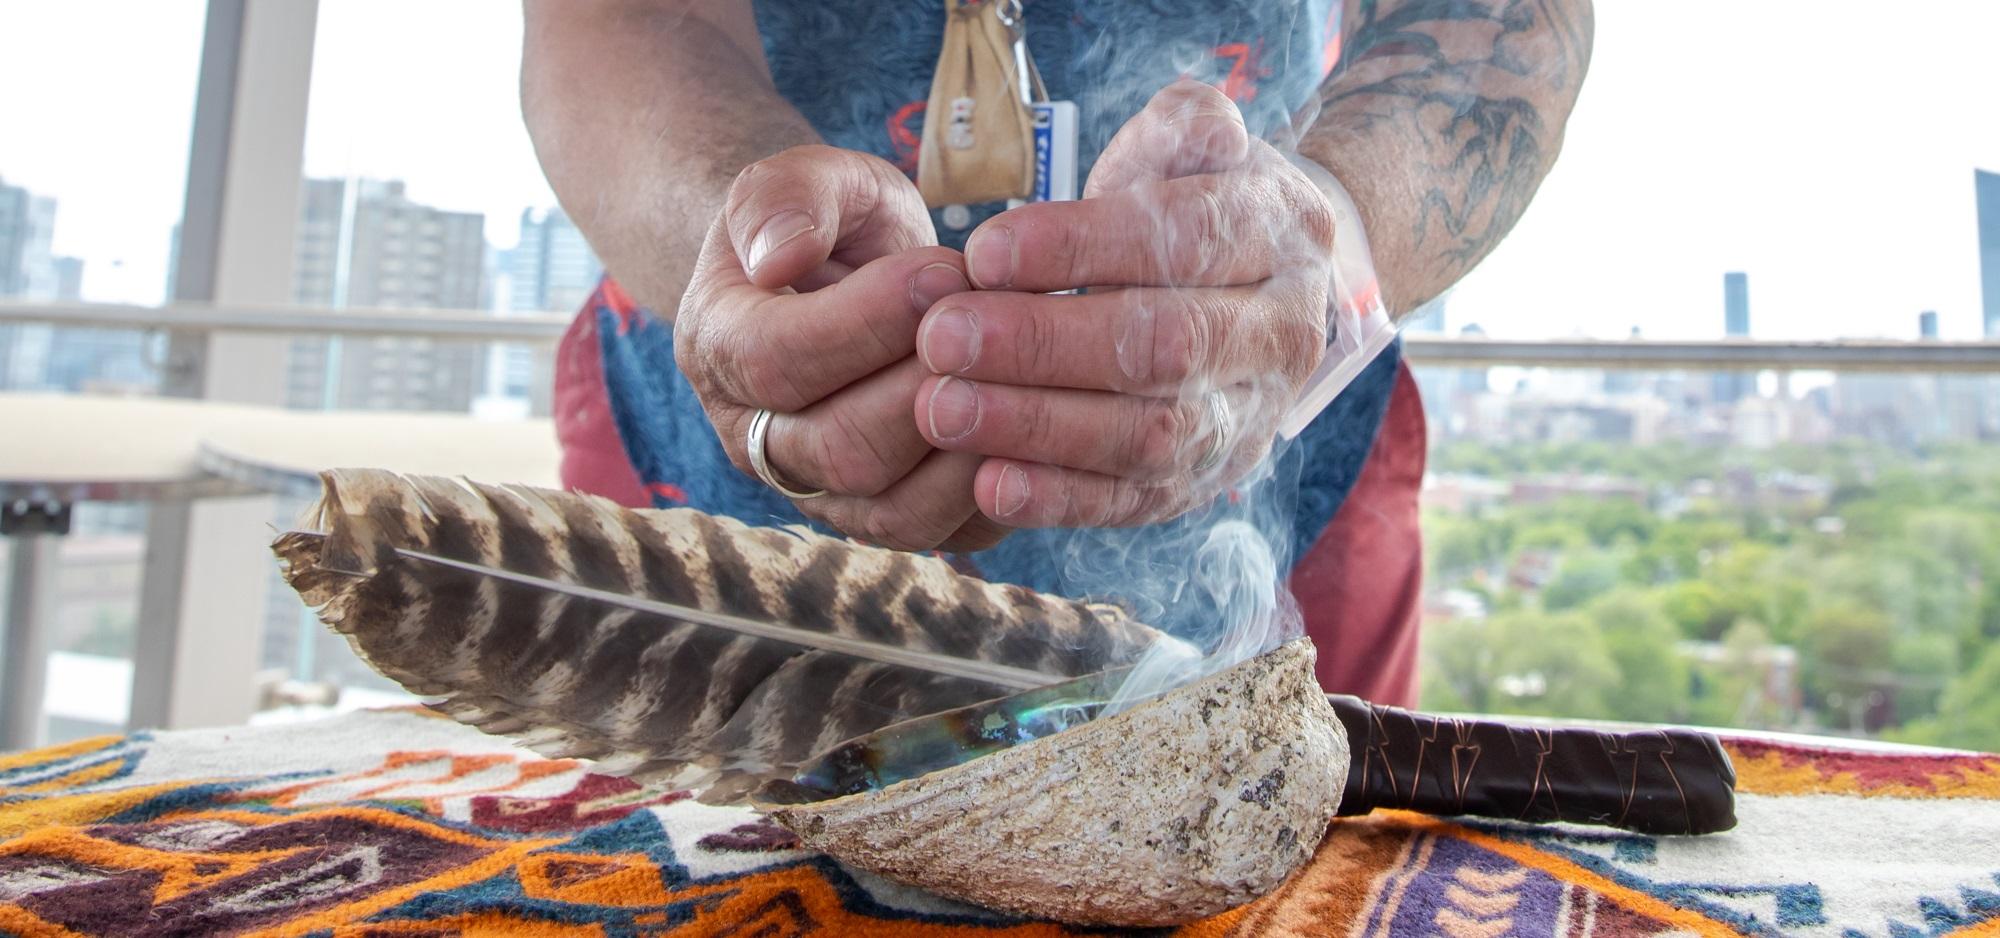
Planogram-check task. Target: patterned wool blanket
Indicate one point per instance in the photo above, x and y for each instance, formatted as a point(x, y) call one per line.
point(400, 823)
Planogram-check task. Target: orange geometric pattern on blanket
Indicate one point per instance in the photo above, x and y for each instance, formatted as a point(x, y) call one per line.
point(26, 816)
point(1369, 862)
point(1772, 769)
point(179, 872)
point(481, 923)
point(617, 880)
point(449, 767)
point(85, 774)
point(15, 920)
point(798, 900)
point(69, 750)
point(1686, 920)
point(170, 847)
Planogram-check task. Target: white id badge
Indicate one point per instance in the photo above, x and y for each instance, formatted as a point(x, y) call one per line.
point(1055, 150)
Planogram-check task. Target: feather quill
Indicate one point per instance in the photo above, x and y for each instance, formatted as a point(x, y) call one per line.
point(562, 619)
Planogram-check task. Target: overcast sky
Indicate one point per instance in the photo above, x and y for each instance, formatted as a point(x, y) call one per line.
point(1825, 148)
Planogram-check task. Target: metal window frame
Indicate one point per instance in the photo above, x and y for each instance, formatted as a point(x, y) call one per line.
point(206, 571)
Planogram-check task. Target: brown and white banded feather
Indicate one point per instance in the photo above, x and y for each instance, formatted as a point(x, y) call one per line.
point(649, 695)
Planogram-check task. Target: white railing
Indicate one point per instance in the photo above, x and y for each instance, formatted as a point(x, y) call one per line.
point(460, 324)
point(477, 325)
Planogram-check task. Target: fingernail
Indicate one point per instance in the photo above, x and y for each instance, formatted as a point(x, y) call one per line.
point(989, 257)
point(950, 341)
point(1010, 494)
point(775, 233)
point(934, 283)
point(954, 409)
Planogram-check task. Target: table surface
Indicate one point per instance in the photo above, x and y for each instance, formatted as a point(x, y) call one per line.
point(78, 447)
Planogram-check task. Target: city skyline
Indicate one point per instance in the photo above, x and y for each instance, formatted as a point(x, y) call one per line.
point(1732, 386)
point(1986, 187)
point(368, 244)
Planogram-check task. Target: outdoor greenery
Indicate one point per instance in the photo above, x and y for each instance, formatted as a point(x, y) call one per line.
point(1845, 588)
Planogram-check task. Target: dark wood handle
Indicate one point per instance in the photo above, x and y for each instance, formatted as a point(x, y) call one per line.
point(1665, 781)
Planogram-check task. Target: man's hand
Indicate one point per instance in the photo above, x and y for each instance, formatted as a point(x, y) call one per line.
point(1207, 255)
point(805, 301)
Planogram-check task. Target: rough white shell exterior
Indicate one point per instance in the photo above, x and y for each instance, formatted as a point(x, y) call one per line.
point(1180, 808)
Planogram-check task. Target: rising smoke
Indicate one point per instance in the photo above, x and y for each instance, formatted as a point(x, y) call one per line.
point(1215, 576)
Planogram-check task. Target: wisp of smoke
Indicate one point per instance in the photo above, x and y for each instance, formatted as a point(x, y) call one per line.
point(1214, 577)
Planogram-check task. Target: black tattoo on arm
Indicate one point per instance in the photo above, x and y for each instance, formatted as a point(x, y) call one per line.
point(1442, 118)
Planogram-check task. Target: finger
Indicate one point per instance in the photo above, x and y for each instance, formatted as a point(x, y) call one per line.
point(787, 214)
point(823, 276)
point(918, 513)
point(859, 441)
point(1187, 128)
point(1215, 229)
point(1145, 438)
point(976, 534)
point(785, 351)
point(1143, 340)
point(1035, 495)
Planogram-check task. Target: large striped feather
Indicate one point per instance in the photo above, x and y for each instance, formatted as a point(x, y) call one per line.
point(499, 633)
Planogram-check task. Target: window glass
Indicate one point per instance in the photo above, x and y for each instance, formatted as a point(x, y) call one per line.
point(93, 162)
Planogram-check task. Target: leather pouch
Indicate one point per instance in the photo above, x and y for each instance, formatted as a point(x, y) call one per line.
point(978, 143)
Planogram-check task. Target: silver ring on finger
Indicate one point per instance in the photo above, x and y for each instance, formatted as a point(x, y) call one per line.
point(760, 427)
point(1222, 426)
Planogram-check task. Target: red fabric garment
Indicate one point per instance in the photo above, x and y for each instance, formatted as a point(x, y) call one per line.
point(1360, 584)
point(593, 456)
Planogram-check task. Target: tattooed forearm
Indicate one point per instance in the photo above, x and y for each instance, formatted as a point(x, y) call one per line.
point(1442, 119)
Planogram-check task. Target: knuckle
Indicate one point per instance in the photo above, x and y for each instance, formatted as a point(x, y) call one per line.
point(892, 525)
point(1302, 349)
point(1072, 245)
point(753, 180)
point(687, 343)
point(726, 360)
point(1040, 439)
point(836, 513)
point(1158, 502)
point(830, 469)
point(1181, 342)
point(748, 180)
point(755, 376)
point(705, 356)
point(782, 175)
point(1315, 219)
point(1201, 231)
point(1089, 506)
point(850, 457)
point(1037, 345)
point(729, 429)
point(1155, 446)
point(1299, 333)
point(876, 524)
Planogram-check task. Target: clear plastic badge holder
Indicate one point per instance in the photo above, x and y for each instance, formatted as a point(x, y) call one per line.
point(1358, 325)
